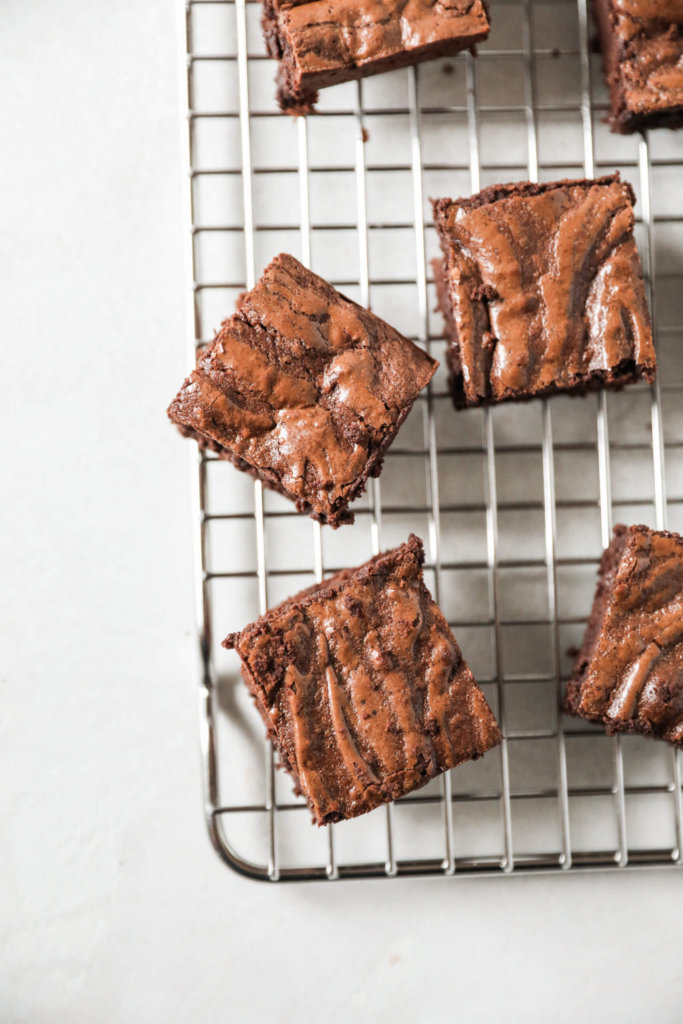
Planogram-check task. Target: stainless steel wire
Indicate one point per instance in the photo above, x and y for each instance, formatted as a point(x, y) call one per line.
point(512, 785)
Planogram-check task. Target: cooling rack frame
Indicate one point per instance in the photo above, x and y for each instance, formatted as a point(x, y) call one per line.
point(219, 809)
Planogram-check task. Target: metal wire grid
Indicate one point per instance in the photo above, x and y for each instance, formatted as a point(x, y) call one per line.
point(221, 807)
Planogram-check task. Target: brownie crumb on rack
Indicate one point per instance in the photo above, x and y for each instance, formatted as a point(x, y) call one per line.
point(628, 673)
point(304, 389)
point(362, 687)
point(323, 42)
point(642, 49)
point(541, 289)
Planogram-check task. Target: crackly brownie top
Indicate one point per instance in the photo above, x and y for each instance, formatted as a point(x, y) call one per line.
point(327, 34)
point(364, 687)
point(634, 675)
point(304, 383)
point(545, 283)
point(649, 53)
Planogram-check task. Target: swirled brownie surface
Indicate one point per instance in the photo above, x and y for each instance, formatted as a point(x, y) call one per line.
point(363, 688)
point(322, 42)
point(642, 46)
point(542, 291)
point(629, 671)
point(304, 389)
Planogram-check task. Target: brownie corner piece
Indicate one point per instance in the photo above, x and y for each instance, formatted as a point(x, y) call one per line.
point(362, 687)
point(628, 674)
point(642, 47)
point(319, 43)
point(304, 389)
point(542, 291)
point(293, 96)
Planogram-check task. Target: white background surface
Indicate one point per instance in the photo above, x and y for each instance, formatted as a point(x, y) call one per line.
point(114, 906)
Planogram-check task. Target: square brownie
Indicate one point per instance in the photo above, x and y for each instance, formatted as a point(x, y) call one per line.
point(362, 687)
point(303, 389)
point(323, 42)
point(542, 291)
point(642, 49)
point(629, 671)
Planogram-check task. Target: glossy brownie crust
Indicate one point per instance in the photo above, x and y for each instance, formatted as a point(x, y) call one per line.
point(362, 687)
point(542, 291)
point(642, 47)
point(323, 42)
point(303, 389)
point(629, 671)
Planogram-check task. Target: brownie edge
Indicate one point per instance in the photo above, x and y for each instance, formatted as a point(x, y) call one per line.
point(322, 44)
point(606, 573)
point(304, 389)
point(362, 687)
point(542, 291)
point(628, 674)
point(642, 46)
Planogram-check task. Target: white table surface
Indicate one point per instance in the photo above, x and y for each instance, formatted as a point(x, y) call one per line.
point(114, 906)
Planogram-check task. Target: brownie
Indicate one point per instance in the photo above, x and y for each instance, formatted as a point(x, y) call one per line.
point(542, 291)
point(629, 671)
point(362, 687)
point(304, 389)
point(323, 42)
point(642, 49)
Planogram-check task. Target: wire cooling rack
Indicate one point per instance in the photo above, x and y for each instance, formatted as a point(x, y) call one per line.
point(515, 504)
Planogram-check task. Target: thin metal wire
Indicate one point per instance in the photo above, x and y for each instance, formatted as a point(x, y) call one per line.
point(318, 562)
point(219, 810)
point(658, 451)
point(491, 506)
point(250, 263)
point(604, 470)
point(364, 285)
point(482, 796)
point(549, 497)
point(198, 473)
point(429, 427)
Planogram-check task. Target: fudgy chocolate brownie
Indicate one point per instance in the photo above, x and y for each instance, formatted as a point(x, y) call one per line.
point(303, 389)
point(323, 42)
point(629, 671)
point(542, 290)
point(642, 50)
point(363, 688)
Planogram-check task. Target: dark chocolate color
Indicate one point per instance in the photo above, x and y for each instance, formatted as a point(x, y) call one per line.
point(363, 688)
point(542, 290)
point(304, 389)
point(629, 671)
point(642, 49)
point(323, 42)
